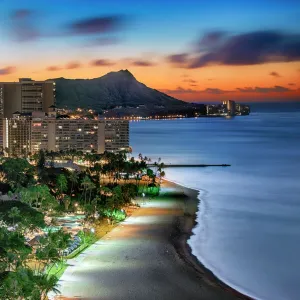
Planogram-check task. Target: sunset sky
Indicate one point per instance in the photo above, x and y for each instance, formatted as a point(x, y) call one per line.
point(193, 50)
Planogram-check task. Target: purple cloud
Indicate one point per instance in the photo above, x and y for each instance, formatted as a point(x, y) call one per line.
point(97, 25)
point(211, 40)
point(143, 63)
point(7, 70)
point(73, 65)
point(102, 62)
point(53, 68)
point(252, 48)
point(23, 25)
point(275, 89)
point(217, 91)
point(103, 41)
point(190, 81)
point(178, 60)
point(21, 14)
point(274, 74)
point(181, 90)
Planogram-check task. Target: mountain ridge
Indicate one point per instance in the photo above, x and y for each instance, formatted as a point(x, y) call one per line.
point(113, 89)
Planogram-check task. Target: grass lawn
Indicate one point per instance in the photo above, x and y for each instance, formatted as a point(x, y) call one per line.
point(78, 250)
point(57, 270)
point(149, 191)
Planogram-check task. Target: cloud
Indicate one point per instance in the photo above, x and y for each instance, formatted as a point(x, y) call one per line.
point(216, 91)
point(292, 84)
point(73, 65)
point(23, 25)
point(275, 89)
point(7, 70)
point(53, 68)
point(96, 25)
point(180, 90)
point(274, 74)
point(102, 62)
point(190, 81)
point(143, 63)
point(103, 41)
point(251, 48)
point(211, 40)
point(21, 14)
point(178, 60)
point(193, 84)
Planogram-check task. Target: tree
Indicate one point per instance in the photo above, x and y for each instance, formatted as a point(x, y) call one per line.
point(73, 177)
point(61, 183)
point(41, 160)
point(18, 172)
point(87, 185)
point(50, 248)
point(67, 202)
point(28, 220)
point(13, 213)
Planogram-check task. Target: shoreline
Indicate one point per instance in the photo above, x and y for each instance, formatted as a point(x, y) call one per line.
point(148, 256)
point(183, 230)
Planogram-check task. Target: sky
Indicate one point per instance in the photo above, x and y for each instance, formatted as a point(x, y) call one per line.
point(193, 50)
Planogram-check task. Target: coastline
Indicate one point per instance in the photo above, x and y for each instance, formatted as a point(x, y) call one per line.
point(183, 230)
point(147, 256)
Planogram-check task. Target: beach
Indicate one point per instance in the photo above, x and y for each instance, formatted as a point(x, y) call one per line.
point(146, 256)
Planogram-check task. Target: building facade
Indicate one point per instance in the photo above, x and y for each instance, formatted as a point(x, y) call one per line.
point(230, 106)
point(30, 133)
point(116, 135)
point(26, 96)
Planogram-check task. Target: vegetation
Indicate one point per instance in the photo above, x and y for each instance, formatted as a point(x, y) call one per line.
point(106, 184)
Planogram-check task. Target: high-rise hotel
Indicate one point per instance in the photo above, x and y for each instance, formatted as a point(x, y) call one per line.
point(30, 123)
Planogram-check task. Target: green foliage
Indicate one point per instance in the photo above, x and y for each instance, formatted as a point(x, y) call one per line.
point(27, 219)
point(13, 250)
point(87, 237)
point(41, 159)
point(18, 172)
point(114, 214)
point(61, 183)
point(25, 284)
point(38, 196)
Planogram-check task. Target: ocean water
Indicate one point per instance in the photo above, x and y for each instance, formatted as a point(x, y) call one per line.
point(248, 230)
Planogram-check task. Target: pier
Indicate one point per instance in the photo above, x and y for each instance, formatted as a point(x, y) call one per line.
point(191, 165)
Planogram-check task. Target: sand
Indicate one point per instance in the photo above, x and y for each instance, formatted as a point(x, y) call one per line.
point(146, 257)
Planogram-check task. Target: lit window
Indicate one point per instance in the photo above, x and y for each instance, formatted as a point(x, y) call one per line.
point(59, 127)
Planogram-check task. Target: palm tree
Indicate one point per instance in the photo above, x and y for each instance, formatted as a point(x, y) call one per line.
point(73, 177)
point(14, 212)
point(85, 183)
point(47, 284)
point(62, 183)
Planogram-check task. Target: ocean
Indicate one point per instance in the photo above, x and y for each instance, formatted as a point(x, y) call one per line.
point(248, 231)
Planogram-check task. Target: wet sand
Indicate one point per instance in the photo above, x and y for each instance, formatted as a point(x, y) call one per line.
point(146, 257)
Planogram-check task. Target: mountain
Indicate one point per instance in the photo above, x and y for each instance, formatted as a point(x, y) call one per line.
point(109, 91)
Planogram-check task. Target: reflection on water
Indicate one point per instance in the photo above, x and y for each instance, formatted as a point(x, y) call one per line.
point(249, 224)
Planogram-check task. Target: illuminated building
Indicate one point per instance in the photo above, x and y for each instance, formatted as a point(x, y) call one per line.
point(26, 133)
point(230, 106)
point(116, 135)
point(25, 96)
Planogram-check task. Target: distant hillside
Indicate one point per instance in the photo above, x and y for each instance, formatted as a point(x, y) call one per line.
point(111, 90)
